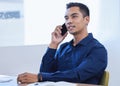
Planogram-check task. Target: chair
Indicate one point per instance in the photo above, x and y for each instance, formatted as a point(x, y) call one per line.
point(105, 79)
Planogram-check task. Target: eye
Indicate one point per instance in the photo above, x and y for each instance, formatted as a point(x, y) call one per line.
point(66, 18)
point(74, 16)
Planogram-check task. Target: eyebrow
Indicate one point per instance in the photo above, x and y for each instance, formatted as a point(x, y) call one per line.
point(71, 15)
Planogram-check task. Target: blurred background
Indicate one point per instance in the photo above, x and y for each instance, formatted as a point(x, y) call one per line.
point(26, 25)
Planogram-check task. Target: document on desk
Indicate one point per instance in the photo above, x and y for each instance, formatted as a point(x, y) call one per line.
point(12, 81)
point(48, 83)
point(8, 80)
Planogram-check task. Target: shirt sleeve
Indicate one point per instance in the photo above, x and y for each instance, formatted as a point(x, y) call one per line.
point(48, 63)
point(94, 63)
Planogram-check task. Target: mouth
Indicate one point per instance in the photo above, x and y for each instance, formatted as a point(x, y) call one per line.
point(71, 27)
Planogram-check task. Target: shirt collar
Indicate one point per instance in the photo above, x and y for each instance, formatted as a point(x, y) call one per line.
point(84, 41)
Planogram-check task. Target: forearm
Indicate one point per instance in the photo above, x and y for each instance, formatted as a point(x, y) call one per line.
point(69, 76)
point(48, 61)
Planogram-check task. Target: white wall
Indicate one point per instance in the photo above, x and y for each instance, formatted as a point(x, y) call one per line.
point(109, 33)
point(11, 23)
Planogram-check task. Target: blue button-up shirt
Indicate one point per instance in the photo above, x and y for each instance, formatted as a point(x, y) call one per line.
point(83, 63)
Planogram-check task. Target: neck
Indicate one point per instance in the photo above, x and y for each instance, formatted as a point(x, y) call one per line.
point(79, 37)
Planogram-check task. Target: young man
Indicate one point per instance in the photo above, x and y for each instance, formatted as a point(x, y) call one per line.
point(82, 60)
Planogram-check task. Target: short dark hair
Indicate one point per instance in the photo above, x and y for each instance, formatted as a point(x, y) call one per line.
point(83, 8)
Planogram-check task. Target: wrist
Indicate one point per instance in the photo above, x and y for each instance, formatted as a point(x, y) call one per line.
point(53, 45)
point(39, 77)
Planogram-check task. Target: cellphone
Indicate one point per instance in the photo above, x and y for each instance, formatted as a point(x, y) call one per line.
point(64, 29)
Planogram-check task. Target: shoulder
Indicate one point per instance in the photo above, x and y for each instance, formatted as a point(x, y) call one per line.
point(95, 45)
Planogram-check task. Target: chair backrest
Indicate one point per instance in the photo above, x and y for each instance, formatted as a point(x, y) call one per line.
point(105, 79)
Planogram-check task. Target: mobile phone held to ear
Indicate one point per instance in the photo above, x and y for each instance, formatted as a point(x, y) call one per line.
point(64, 29)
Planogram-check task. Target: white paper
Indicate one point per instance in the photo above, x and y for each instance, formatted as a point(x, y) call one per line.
point(60, 83)
point(4, 78)
point(8, 80)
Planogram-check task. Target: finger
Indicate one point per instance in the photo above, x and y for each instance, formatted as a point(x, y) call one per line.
point(21, 77)
point(18, 81)
point(58, 29)
point(23, 81)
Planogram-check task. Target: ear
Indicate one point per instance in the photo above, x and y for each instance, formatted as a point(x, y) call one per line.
point(87, 19)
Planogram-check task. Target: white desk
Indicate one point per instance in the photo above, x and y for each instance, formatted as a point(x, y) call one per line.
point(12, 81)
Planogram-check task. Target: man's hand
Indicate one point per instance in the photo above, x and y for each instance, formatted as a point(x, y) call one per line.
point(27, 78)
point(57, 38)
